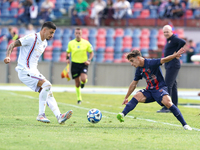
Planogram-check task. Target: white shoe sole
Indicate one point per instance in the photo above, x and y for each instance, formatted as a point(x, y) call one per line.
point(44, 121)
point(67, 116)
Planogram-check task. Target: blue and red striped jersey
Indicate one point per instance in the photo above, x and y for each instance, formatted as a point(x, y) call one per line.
point(151, 71)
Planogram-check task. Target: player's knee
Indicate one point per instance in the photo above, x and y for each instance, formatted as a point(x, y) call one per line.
point(168, 104)
point(140, 97)
point(46, 85)
point(83, 80)
point(167, 101)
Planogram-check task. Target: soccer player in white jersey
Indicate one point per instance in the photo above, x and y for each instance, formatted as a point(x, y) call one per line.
point(32, 47)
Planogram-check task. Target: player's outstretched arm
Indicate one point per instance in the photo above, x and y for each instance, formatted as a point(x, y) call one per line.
point(170, 57)
point(14, 44)
point(131, 88)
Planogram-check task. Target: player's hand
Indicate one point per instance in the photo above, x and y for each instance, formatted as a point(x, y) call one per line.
point(178, 54)
point(7, 60)
point(87, 62)
point(125, 101)
point(68, 61)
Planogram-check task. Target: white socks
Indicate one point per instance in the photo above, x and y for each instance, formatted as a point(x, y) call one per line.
point(122, 114)
point(46, 96)
point(46, 86)
point(51, 102)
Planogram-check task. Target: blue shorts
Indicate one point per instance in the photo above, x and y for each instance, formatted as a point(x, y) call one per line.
point(154, 95)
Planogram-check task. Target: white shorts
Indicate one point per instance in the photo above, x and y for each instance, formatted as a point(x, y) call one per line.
point(30, 77)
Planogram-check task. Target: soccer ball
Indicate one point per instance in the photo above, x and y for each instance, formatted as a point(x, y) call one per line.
point(94, 115)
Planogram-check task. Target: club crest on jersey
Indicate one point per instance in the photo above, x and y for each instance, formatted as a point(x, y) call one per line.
point(148, 70)
point(169, 41)
point(43, 46)
point(85, 70)
point(160, 90)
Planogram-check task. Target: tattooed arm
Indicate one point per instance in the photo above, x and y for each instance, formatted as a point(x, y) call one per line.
point(17, 43)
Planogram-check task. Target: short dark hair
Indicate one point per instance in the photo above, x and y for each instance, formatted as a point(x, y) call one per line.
point(134, 54)
point(49, 25)
point(78, 28)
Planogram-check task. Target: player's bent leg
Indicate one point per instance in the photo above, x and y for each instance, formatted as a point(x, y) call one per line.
point(77, 81)
point(166, 100)
point(78, 90)
point(139, 97)
point(51, 102)
point(46, 86)
point(176, 112)
point(83, 79)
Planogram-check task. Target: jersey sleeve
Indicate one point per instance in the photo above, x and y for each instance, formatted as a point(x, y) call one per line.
point(138, 74)
point(69, 48)
point(155, 62)
point(90, 48)
point(27, 40)
point(181, 43)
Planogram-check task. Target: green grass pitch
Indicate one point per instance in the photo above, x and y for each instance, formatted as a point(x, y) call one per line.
point(143, 128)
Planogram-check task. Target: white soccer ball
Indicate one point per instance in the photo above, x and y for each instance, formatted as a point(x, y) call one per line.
point(94, 115)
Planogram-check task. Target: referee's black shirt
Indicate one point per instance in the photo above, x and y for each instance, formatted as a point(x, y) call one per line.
point(173, 44)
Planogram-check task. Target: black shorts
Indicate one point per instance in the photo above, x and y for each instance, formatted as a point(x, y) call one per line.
point(77, 69)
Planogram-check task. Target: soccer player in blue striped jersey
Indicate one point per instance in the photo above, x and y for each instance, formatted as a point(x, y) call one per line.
point(156, 89)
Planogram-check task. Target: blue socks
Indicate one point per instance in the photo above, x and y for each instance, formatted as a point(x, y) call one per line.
point(130, 106)
point(133, 102)
point(177, 114)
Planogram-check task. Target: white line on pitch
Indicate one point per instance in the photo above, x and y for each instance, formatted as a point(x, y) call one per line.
point(149, 120)
point(75, 106)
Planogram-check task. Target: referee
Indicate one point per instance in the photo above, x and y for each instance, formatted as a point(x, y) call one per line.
point(172, 68)
point(79, 48)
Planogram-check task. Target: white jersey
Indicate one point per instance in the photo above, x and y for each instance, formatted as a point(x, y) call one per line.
point(31, 50)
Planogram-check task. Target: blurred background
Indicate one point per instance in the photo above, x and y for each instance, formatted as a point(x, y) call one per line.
point(113, 27)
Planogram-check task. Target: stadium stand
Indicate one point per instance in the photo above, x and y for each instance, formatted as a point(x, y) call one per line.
point(108, 57)
point(110, 45)
point(144, 14)
point(141, 11)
